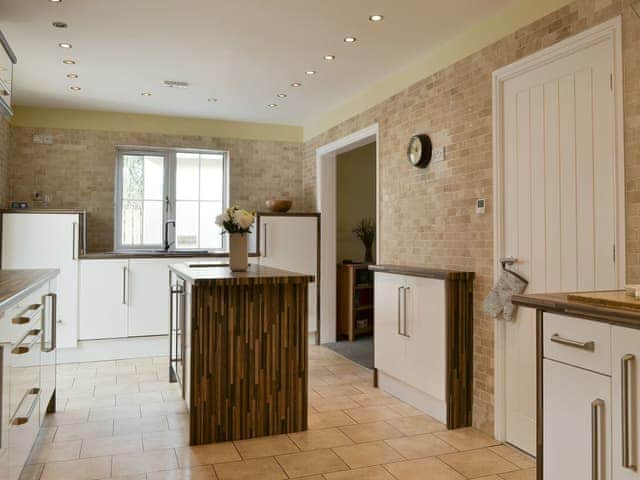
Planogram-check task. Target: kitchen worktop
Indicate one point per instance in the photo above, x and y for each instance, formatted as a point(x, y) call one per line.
point(563, 304)
point(16, 284)
point(442, 274)
point(125, 254)
point(220, 273)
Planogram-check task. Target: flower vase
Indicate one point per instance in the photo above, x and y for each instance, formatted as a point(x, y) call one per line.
point(368, 253)
point(238, 252)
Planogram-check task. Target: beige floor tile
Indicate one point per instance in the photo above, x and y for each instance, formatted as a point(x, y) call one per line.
point(85, 469)
point(31, 472)
point(163, 408)
point(417, 424)
point(265, 446)
point(317, 439)
point(478, 463)
point(137, 378)
point(340, 379)
point(140, 476)
point(333, 403)
point(157, 386)
point(66, 418)
point(82, 403)
point(367, 473)
point(144, 398)
point(329, 419)
point(372, 414)
point(99, 379)
point(114, 412)
point(116, 389)
point(336, 391)
point(529, 474)
point(145, 424)
point(420, 446)
point(374, 400)
point(514, 456)
point(417, 469)
point(467, 439)
point(368, 454)
point(76, 391)
point(311, 463)
point(257, 468)
point(167, 439)
point(47, 434)
point(196, 473)
point(120, 444)
point(136, 463)
point(405, 410)
point(171, 395)
point(207, 454)
point(178, 422)
point(81, 431)
point(55, 452)
point(370, 432)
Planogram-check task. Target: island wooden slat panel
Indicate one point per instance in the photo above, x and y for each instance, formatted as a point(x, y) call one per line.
point(248, 359)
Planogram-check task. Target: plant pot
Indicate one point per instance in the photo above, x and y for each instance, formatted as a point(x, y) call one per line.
point(238, 252)
point(368, 254)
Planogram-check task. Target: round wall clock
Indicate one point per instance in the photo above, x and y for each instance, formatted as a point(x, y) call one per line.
point(419, 151)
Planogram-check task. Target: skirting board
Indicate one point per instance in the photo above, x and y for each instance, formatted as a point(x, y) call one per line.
point(414, 397)
point(115, 349)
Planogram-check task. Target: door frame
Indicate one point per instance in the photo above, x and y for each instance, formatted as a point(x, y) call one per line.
point(326, 168)
point(610, 30)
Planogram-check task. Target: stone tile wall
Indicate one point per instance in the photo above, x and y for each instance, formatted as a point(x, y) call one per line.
point(5, 142)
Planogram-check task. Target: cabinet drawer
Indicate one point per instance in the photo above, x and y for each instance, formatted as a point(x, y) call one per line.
point(578, 342)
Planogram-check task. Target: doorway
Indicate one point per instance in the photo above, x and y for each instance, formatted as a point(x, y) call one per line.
point(559, 193)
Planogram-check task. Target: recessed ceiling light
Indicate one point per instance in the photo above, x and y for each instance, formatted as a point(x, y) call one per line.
point(60, 24)
point(69, 62)
point(212, 99)
point(272, 105)
point(350, 39)
point(310, 72)
point(65, 45)
point(55, 1)
point(282, 95)
point(296, 84)
point(72, 75)
point(329, 57)
point(146, 94)
point(75, 89)
point(376, 18)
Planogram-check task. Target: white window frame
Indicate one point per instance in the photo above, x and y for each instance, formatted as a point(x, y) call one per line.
point(169, 194)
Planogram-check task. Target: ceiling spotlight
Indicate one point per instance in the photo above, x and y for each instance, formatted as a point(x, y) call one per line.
point(310, 72)
point(212, 99)
point(72, 75)
point(60, 24)
point(146, 94)
point(55, 1)
point(329, 57)
point(350, 39)
point(282, 95)
point(65, 45)
point(296, 84)
point(75, 89)
point(69, 62)
point(272, 105)
point(376, 18)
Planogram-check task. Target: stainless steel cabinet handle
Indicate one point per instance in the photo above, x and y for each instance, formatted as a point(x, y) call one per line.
point(22, 420)
point(21, 348)
point(624, 394)
point(404, 328)
point(53, 316)
point(588, 346)
point(73, 243)
point(596, 406)
point(399, 310)
point(124, 285)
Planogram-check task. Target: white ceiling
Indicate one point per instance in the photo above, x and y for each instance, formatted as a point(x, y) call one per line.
point(243, 52)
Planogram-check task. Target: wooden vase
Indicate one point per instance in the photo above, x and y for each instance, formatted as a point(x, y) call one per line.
point(238, 252)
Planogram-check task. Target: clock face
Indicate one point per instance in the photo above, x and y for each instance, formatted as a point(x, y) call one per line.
point(419, 151)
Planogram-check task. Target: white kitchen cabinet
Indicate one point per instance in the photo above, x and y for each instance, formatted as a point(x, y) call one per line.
point(148, 297)
point(103, 299)
point(390, 345)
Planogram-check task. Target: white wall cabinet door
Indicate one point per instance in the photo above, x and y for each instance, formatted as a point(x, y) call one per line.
point(625, 353)
point(103, 299)
point(148, 297)
point(571, 397)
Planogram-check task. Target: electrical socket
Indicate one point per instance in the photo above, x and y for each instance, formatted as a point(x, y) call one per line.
point(437, 154)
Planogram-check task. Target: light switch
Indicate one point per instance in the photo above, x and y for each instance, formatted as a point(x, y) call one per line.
point(480, 206)
point(437, 154)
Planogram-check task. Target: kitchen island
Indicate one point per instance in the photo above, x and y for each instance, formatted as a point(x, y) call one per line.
point(238, 346)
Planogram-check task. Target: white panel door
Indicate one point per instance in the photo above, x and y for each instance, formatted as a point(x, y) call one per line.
point(559, 201)
point(625, 354)
point(103, 299)
point(572, 397)
point(148, 297)
point(32, 240)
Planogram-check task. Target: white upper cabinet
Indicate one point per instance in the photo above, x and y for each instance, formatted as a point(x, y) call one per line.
point(148, 297)
point(7, 59)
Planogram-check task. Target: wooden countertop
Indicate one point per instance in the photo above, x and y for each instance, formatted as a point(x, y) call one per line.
point(16, 284)
point(441, 274)
point(220, 273)
point(561, 303)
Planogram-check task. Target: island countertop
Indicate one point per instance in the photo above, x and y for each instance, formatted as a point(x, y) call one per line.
point(220, 273)
point(16, 284)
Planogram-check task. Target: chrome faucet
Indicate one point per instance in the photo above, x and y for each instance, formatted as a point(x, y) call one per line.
point(167, 243)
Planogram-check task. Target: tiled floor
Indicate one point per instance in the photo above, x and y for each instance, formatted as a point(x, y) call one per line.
point(123, 419)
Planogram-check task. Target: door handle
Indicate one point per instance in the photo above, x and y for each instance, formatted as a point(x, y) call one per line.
point(54, 328)
point(399, 309)
point(404, 328)
point(596, 406)
point(625, 408)
point(589, 346)
point(125, 271)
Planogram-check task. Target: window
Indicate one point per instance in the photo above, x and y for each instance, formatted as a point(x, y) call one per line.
point(177, 192)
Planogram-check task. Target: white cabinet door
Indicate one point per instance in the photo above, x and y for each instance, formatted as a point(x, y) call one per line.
point(103, 299)
point(625, 353)
point(148, 297)
point(389, 344)
point(47, 240)
point(571, 397)
point(426, 335)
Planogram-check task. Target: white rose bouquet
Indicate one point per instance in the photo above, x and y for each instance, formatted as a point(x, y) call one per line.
point(236, 220)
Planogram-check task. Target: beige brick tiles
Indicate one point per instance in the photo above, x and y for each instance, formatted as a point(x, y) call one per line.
point(5, 142)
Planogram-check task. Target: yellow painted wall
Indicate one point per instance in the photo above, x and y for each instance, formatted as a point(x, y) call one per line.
point(356, 198)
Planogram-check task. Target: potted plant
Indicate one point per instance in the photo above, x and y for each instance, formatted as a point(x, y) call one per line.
point(237, 223)
point(365, 230)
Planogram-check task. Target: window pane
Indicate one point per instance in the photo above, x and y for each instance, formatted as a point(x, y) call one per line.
point(132, 177)
point(152, 223)
point(186, 224)
point(131, 222)
point(153, 178)
point(211, 177)
point(210, 233)
point(187, 166)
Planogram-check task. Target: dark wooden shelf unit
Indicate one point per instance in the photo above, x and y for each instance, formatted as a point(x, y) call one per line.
point(355, 301)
